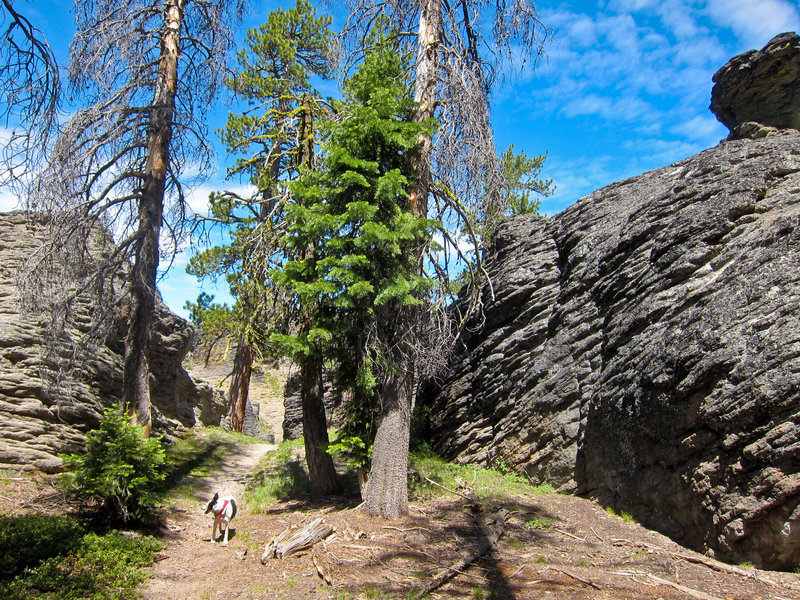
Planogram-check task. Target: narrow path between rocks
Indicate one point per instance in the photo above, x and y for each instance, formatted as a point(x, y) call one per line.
point(190, 566)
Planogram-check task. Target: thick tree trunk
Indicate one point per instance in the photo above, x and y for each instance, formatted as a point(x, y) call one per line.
point(321, 471)
point(136, 373)
point(240, 384)
point(386, 492)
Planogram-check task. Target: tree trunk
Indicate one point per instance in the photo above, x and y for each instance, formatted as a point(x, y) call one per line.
point(425, 88)
point(387, 487)
point(240, 384)
point(136, 373)
point(321, 471)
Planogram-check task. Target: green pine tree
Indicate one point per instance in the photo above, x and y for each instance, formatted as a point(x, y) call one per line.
point(275, 68)
point(354, 239)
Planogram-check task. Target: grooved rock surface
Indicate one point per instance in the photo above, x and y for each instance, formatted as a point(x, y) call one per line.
point(41, 418)
point(293, 405)
point(762, 86)
point(643, 348)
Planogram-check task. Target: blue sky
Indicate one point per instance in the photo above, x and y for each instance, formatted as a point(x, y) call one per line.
point(624, 87)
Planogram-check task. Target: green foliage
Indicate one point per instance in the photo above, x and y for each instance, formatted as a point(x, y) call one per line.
point(274, 72)
point(627, 517)
point(350, 234)
point(281, 475)
point(521, 174)
point(121, 468)
point(273, 76)
point(214, 319)
point(486, 483)
point(35, 538)
point(98, 567)
point(539, 523)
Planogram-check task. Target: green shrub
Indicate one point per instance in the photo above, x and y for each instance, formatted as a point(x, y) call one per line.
point(28, 540)
point(539, 523)
point(105, 567)
point(121, 468)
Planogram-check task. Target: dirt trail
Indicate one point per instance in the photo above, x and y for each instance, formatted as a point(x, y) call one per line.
point(191, 567)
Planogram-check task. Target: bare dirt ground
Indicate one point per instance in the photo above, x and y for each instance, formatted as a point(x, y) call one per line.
point(585, 553)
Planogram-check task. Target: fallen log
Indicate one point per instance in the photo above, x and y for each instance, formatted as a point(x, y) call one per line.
point(487, 538)
point(288, 543)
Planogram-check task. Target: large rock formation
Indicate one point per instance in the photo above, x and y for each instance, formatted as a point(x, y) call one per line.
point(44, 414)
point(643, 347)
point(761, 86)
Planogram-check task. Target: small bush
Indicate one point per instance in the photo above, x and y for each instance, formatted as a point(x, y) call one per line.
point(34, 538)
point(121, 468)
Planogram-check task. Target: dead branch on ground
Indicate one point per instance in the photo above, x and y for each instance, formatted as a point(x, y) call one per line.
point(302, 539)
point(487, 538)
point(475, 504)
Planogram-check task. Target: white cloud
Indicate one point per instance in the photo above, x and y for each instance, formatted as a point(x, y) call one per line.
point(624, 108)
point(8, 200)
point(755, 22)
point(197, 197)
point(701, 128)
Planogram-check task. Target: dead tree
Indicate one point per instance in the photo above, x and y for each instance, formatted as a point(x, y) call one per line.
point(148, 70)
point(30, 87)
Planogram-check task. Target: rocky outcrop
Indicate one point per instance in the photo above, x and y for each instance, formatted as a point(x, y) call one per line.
point(761, 86)
point(293, 406)
point(643, 347)
point(45, 413)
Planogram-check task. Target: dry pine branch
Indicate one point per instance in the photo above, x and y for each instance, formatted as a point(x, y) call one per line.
point(488, 537)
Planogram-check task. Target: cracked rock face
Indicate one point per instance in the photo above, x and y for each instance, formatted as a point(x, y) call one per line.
point(762, 86)
point(39, 420)
point(643, 347)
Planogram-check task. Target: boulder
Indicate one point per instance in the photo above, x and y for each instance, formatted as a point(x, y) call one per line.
point(761, 86)
point(643, 348)
point(293, 405)
point(46, 410)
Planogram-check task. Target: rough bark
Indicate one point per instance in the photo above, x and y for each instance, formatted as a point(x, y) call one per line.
point(386, 492)
point(321, 471)
point(240, 384)
point(136, 376)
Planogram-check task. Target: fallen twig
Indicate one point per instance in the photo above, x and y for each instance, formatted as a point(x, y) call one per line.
point(580, 539)
point(576, 578)
point(682, 588)
point(487, 538)
point(405, 530)
point(596, 534)
point(474, 502)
